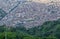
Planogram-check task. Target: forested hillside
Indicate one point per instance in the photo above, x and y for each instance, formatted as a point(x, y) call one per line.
point(49, 30)
point(15, 33)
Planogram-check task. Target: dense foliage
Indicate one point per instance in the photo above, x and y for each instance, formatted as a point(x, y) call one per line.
point(15, 33)
point(49, 30)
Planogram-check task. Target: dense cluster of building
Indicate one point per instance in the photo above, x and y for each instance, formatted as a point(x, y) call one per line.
point(29, 13)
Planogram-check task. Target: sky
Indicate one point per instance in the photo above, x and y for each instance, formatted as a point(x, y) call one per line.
point(45, 1)
point(40, 1)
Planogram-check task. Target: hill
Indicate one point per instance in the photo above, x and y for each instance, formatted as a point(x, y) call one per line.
point(49, 30)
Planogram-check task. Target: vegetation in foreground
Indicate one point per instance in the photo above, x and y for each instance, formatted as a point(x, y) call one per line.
point(49, 30)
